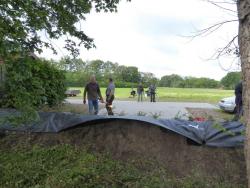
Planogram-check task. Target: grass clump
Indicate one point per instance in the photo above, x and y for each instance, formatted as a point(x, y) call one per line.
point(66, 166)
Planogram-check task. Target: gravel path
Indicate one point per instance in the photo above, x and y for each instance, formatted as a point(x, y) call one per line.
point(163, 109)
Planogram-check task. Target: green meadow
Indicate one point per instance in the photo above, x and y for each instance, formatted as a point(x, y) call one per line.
point(173, 94)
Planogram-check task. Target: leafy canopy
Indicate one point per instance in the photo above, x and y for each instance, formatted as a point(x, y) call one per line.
point(22, 23)
point(231, 79)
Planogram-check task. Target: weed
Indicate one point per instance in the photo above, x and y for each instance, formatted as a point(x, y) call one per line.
point(156, 115)
point(141, 113)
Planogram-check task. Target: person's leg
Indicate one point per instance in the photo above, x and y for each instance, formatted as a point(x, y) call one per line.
point(153, 97)
point(90, 104)
point(139, 97)
point(240, 109)
point(237, 113)
point(95, 104)
point(109, 106)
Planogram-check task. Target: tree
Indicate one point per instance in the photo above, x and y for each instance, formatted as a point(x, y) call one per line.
point(243, 10)
point(231, 79)
point(69, 64)
point(243, 7)
point(172, 80)
point(22, 23)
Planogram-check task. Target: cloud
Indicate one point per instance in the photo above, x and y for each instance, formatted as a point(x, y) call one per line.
point(147, 34)
point(157, 26)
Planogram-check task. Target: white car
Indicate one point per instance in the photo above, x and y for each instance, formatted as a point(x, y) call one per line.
point(228, 104)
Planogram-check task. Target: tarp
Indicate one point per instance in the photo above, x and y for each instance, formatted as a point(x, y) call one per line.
point(210, 133)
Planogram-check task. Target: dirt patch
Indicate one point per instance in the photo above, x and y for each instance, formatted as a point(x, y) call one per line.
point(210, 114)
point(130, 140)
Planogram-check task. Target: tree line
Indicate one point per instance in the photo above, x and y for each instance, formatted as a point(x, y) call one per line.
point(227, 82)
point(78, 72)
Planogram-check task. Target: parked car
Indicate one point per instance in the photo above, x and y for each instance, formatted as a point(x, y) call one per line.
point(228, 104)
point(72, 93)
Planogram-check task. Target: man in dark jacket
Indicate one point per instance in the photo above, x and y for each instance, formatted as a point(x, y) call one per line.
point(93, 92)
point(238, 101)
point(152, 92)
point(140, 91)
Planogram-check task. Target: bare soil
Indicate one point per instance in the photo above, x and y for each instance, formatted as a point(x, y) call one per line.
point(210, 114)
point(131, 140)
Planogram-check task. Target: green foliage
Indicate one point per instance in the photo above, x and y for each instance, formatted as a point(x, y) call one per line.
point(30, 84)
point(148, 78)
point(187, 82)
point(171, 81)
point(192, 82)
point(78, 73)
point(230, 80)
point(23, 22)
point(2, 78)
point(66, 166)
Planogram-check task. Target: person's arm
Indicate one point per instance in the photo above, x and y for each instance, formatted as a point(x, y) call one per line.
point(99, 93)
point(84, 94)
point(112, 92)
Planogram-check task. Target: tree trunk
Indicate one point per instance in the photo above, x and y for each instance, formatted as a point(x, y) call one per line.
point(244, 44)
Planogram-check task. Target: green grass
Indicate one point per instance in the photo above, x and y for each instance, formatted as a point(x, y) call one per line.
point(175, 94)
point(66, 166)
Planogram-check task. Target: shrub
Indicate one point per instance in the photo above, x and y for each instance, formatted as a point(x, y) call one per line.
point(29, 84)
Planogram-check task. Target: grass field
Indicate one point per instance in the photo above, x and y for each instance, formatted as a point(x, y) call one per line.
point(174, 94)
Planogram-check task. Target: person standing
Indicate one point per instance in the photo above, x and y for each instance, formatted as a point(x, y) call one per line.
point(110, 96)
point(140, 91)
point(93, 92)
point(152, 92)
point(238, 101)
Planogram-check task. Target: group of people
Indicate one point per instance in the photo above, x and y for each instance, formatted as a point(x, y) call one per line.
point(150, 92)
point(93, 92)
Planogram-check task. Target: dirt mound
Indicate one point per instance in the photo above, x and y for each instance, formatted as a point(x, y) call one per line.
point(128, 140)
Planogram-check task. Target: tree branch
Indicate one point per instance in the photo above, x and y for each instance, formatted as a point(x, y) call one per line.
point(221, 7)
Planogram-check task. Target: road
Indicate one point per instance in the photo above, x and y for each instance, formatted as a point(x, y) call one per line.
point(166, 110)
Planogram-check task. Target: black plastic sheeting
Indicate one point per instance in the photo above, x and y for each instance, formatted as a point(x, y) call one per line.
point(225, 134)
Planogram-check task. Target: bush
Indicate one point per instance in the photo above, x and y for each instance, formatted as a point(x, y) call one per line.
point(68, 166)
point(29, 84)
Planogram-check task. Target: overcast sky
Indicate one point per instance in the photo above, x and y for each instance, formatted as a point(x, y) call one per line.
point(149, 34)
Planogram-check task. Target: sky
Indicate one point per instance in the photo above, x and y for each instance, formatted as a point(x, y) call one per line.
point(153, 35)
